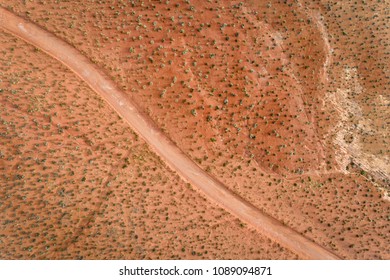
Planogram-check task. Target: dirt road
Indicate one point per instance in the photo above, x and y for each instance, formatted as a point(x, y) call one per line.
point(161, 144)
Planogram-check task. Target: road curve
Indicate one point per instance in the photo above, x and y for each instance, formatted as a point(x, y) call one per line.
point(162, 145)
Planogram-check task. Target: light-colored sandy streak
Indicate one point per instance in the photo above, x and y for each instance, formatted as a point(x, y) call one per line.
point(328, 51)
point(162, 145)
point(343, 102)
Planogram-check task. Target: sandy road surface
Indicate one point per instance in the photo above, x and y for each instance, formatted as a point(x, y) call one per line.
point(162, 145)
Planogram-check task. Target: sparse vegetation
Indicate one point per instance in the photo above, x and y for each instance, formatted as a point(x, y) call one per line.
point(263, 96)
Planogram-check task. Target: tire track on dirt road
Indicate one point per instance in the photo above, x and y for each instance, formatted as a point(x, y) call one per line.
point(159, 143)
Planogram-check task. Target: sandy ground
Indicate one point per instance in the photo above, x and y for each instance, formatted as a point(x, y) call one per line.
point(78, 183)
point(162, 145)
point(284, 102)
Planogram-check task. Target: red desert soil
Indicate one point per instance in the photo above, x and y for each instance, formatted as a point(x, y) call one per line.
point(145, 127)
point(77, 183)
point(285, 102)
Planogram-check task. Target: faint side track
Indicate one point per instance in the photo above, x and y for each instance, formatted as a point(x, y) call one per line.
point(162, 145)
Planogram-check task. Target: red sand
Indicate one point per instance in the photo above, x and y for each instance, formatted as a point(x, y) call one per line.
point(285, 103)
point(145, 127)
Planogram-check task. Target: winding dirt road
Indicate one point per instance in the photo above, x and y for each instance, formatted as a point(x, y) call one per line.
point(161, 144)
